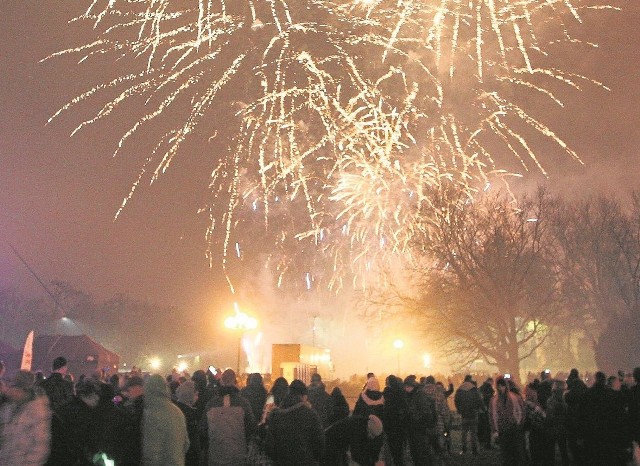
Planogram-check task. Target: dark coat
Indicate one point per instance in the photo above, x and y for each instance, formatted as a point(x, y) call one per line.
point(468, 401)
point(339, 407)
point(75, 434)
point(370, 402)
point(396, 410)
point(573, 398)
point(602, 415)
point(256, 395)
point(321, 402)
point(58, 390)
point(193, 430)
point(347, 434)
point(294, 434)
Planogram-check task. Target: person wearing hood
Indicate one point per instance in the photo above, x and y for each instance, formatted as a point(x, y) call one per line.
point(255, 394)
point(294, 432)
point(165, 440)
point(228, 424)
point(371, 401)
point(186, 398)
point(320, 400)
point(468, 402)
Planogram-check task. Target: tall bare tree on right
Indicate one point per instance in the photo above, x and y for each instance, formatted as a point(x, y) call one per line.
point(599, 250)
point(488, 282)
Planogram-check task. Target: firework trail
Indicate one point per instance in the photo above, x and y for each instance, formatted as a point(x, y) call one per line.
point(334, 120)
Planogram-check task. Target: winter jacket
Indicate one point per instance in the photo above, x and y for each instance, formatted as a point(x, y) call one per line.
point(25, 431)
point(58, 390)
point(256, 395)
point(396, 409)
point(507, 411)
point(294, 434)
point(321, 402)
point(436, 393)
point(370, 402)
point(165, 440)
point(75, 433)
point(228, 425)
point(468, 401)
point(339, 407)
point(193, 430)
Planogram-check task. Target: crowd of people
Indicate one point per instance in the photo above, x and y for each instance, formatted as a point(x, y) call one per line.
point(206, 419)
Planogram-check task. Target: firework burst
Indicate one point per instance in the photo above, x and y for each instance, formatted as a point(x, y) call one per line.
point(335, 119)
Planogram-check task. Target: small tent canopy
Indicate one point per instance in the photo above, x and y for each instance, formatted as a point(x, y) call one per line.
point(84, 356)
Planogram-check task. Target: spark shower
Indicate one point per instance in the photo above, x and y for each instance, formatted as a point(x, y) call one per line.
point(331, 123)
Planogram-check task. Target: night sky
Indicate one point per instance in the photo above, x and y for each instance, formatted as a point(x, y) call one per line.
point(59, 194)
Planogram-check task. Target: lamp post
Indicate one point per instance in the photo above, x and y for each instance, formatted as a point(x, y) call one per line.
point(398, 344)
point(240, 322)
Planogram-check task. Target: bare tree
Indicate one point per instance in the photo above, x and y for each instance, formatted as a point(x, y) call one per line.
point(599, 249)
point(486, 286)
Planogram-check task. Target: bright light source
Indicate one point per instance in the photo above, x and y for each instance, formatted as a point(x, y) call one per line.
point(426, 360)
point(240, 321)
point(155, 363)
point(182, 366)
point(398, 344)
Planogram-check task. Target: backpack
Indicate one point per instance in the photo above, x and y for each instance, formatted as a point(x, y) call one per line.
point(227, 442)
point(431, 415)
point(423, 414)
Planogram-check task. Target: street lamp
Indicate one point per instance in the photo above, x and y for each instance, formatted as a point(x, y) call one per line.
point(240, 322)
point(398, 344)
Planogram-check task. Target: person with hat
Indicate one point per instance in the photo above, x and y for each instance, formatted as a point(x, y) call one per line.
point(186, 398)
point(294, 432)
point(228, 424)
point(371, 401)
point(320, 400)
point(25, 423)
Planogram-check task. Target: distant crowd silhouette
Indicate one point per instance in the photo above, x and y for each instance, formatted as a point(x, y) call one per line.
point(203, 419)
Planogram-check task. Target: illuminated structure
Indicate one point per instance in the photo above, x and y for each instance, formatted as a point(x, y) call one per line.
point(295, 361)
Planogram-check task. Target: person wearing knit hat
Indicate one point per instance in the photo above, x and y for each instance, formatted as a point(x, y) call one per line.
point(371, 402)
point(26, 435)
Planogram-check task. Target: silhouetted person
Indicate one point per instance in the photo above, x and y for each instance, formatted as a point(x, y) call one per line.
point(602, 422)
point(58, 389)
